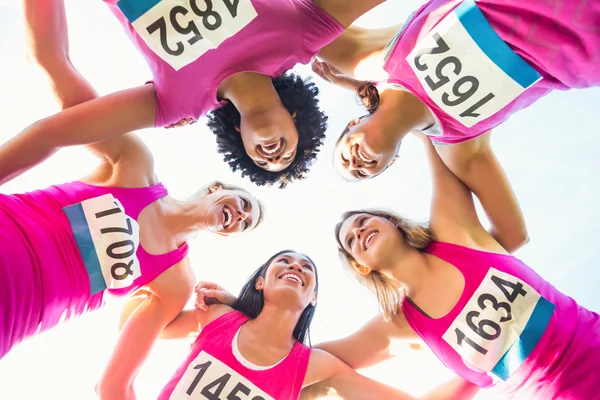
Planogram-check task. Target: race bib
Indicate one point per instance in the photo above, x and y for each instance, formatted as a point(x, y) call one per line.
point(467, 69)
point(208, 378)
point(180, 31)
point(107, 240)
point(500, 325)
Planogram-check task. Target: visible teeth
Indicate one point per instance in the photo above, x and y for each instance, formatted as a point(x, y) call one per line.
point(228, 216)
point(292, 277)
point(369, 238)
point(363, 156)
point(272, 149)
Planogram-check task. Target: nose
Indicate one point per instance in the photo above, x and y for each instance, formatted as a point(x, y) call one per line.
point(296, 266)
point(357, 232)
point(241, 215)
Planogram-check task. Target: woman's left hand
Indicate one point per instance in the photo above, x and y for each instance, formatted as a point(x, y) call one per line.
point(208, 293)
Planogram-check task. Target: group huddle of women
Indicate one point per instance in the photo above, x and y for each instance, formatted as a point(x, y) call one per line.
point(455, 69)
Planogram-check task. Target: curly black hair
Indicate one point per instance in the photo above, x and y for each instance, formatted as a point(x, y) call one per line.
point(298, 95)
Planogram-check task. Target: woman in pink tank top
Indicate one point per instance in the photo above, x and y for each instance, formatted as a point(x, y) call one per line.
point(116, 230)
point(455, 70)
point(268, 125)
point(486, 315)
point(253, 346)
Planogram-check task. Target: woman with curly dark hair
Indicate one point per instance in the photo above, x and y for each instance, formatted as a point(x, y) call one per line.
point(206, 54)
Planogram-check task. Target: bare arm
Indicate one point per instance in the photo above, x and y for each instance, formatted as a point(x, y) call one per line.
point(48, 48)
point(143, 323)
point(328, 372)
point(347, 11)
point(370, 344)
point(453, 215)
point(355, 45)
point(475, 164)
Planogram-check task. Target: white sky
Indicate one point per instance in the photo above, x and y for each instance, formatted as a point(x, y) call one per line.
point(549, 153)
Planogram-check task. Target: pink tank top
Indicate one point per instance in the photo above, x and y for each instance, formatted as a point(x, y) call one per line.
point(474, 64)
point(512, 327)
point(212, 371)
point(47, 270)
point(192, 47)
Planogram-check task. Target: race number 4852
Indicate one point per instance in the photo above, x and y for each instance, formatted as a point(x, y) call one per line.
point(180, 31)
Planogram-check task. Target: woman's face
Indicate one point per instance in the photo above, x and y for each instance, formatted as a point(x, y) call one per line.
point(372, 241)
point(271, 139)
point(232, 212)
point(362, 152)
point(290, 278)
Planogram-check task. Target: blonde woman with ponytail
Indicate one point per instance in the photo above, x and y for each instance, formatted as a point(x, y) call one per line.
point(485, 314)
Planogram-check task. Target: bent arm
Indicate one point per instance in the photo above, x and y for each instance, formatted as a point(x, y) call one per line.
point(91, 122)
point(476, 165)
point(370, 344)
point(355, 45)
point(166, 296)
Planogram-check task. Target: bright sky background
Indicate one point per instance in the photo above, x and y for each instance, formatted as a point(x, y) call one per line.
point(549, 152)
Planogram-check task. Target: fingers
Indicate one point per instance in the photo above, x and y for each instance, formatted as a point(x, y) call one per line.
point(207, 285)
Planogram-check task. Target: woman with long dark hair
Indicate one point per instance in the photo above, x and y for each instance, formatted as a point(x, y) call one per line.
point(256, 348)
point(485, 314)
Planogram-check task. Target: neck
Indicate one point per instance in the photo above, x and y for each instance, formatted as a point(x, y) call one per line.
point(184, 219)
point(250, 92)
point(402, 112)
point(275, 326)
point(411, 271)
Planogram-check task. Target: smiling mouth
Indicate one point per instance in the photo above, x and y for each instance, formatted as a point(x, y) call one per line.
point(369, 238)
point(292, 277)
point(361, 155)
point(271, 150)
point(227, 217)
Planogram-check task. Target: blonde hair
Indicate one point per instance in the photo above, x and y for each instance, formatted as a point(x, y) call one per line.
point(389, 294)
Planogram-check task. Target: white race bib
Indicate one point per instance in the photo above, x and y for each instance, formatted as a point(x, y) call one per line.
point(180, 31)
point(208, 378)
point(467, 69)
point(500, 325)
point(108, 240)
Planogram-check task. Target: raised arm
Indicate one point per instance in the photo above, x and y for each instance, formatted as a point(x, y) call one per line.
point(370, 344)
point(91, 122)
point(476, 165)
point(453, 215)
point(142, 324)
point(347, 11)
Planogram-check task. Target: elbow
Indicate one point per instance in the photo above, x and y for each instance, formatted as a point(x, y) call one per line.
point(108, 389)
point(517, 240)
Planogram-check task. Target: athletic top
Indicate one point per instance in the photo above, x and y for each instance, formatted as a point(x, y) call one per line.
point(62, 247)
point(191, 47)
point(474, 64)
point(215, 368)
point(512, 326)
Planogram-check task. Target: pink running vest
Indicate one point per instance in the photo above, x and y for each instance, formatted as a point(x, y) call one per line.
point(192, 46)
point(211, 370)
point(513, 327)
point(474, 64)
point(48, 272)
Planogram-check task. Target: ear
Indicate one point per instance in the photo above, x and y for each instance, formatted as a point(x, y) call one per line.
point(237, 128)
point(363, 270)
point(215, 187)
point(313, 301)
point(260, 283)
point(397, 156)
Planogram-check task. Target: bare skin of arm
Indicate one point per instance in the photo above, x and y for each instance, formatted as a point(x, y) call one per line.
point(475, 164)
point(86, 118)
point(345, 11)
point(326, 373)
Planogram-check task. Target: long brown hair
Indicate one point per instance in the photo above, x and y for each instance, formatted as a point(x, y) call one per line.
point(389, 294)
